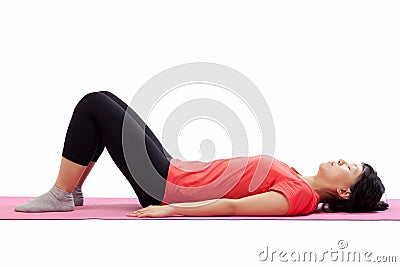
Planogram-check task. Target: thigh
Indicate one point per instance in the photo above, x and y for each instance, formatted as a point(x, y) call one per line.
point(133, 114)
point(142, 163)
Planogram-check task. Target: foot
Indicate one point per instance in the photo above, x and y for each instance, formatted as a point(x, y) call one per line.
point(54, 200)
point(78, 196)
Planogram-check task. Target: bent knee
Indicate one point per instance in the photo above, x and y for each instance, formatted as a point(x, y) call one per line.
point(91, 99)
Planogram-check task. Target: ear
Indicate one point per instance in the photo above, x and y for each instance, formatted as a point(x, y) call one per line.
point(343, 192)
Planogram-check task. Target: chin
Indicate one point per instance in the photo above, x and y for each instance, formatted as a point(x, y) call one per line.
point(324, 166)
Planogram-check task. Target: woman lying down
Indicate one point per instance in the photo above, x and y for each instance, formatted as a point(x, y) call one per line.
point(165, 186)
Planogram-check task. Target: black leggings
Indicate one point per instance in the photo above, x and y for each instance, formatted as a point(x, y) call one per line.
point(98, 122)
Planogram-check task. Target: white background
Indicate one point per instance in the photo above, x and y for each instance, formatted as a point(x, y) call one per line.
point(329, 72)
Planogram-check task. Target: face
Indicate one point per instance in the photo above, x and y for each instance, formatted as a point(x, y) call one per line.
point(339, 176)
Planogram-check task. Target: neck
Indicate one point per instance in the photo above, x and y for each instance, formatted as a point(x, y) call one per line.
point(318, 187)
point(312, 182)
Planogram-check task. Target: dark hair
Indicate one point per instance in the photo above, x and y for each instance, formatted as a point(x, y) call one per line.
point(365, 195)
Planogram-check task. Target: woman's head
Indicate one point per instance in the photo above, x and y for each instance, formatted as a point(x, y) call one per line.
point(336, 177)
point(350, 187)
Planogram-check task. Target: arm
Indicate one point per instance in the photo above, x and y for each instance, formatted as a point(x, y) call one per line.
point(270, 203)
point(265, 204)
point(214, 207)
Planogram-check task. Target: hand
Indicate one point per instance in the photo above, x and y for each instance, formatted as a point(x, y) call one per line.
point(152, 211)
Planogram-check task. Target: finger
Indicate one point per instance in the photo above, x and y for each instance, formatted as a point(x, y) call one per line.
point(133, 213)
point(138, 211)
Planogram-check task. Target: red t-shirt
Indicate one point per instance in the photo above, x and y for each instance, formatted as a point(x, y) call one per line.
point(234, 178)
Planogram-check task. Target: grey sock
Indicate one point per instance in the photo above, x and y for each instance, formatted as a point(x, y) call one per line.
point(54, 200)
point(78, 196)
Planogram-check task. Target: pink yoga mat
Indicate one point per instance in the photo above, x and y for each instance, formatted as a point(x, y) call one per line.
point(117, 208)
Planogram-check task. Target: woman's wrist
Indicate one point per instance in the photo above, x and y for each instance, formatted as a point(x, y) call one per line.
point(172, 208)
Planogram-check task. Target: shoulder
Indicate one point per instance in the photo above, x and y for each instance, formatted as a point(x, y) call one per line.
point(302, 199)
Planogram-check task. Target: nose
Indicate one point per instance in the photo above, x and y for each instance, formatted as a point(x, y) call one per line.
point(341, 162)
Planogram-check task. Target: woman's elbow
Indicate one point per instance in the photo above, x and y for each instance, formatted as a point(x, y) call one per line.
point(231, 207)
point(238, 208)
